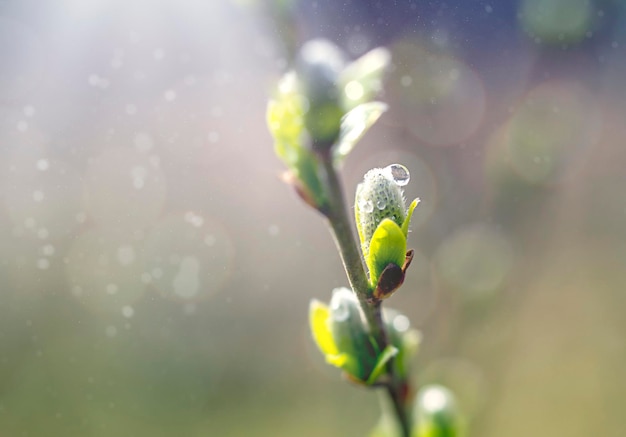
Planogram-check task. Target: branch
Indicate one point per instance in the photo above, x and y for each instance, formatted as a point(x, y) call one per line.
point(357, 276)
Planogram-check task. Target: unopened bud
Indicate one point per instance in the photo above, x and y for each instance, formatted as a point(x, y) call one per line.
point(319, 65)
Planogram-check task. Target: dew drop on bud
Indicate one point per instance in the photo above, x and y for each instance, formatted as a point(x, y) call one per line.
point(381, 204)
point(399, 174)
point(340, 312)
point(368, 206)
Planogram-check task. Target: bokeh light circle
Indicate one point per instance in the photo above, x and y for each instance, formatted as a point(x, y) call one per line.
point(188, 256)
point(439, 98)
point(475, 261)
point(556, 21)
point(553, 122)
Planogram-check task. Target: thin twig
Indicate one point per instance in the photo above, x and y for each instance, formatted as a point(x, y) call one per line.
point(351, 257)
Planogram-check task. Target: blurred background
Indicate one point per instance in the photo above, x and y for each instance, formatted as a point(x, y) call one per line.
point(155, 273)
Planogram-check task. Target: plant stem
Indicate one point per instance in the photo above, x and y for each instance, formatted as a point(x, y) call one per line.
point(351, 257)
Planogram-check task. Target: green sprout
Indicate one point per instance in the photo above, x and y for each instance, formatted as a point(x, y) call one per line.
point(321, 108)
point(382, 221)
point(343, 336)
point(320, 111)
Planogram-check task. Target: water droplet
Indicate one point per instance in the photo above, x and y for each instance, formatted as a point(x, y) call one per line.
point(366, 205)
point(399, 174)
point(381, 204)
point(339, 311)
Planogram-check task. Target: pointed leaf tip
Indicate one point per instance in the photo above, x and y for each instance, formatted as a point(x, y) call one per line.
point(409, 214)
point(389, 352)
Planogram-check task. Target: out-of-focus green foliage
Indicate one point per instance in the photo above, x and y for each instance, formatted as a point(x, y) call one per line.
point(343, 336)
point(436, 413)
point(323, 107)
point(403, 337)
point(354, 125)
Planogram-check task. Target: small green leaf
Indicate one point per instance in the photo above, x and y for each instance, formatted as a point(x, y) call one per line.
point(387, 246)
point(354, 125)
point(286, 115)
point(285, 118)
point(306, 169)
point(407, 220)
point(362, 79)
point(319, 315)
point(389, 352)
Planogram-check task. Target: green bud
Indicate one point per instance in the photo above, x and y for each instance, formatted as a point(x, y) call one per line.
point(350, 333)
point(378, 197)
point(319, 65)
point(436, 413)
point(383, 224)
point(342, 335)
point(285, 119)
